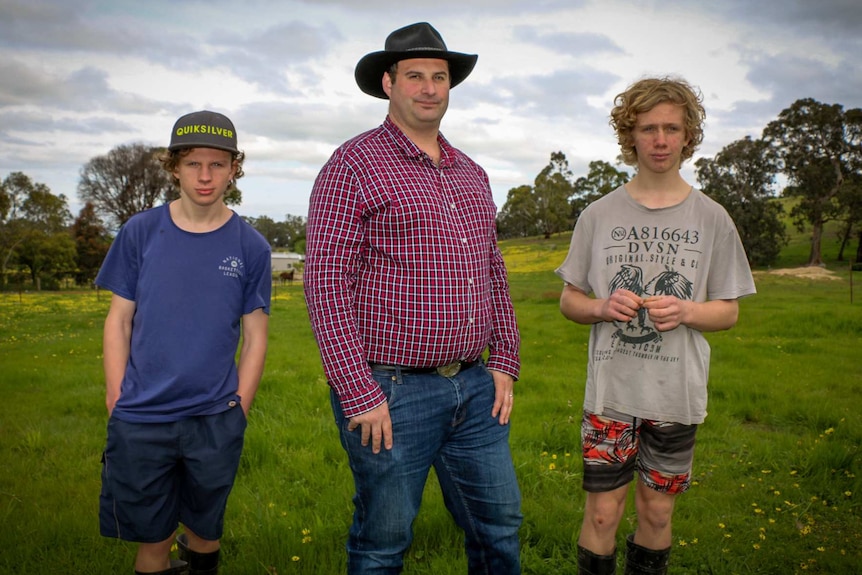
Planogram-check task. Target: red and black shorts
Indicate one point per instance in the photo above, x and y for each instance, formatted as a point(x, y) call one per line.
point(615, 447)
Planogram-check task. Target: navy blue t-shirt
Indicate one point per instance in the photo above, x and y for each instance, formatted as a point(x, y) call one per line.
point(190, 291)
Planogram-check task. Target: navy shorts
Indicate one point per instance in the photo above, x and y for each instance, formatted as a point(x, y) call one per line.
point(157, 475)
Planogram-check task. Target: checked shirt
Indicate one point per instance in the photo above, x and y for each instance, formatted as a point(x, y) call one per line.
point(402, 265)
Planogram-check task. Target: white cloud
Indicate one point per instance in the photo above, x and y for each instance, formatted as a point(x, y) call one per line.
point(82, 78)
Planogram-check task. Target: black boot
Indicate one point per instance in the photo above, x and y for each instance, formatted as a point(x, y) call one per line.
point(643, 561)
point(591, 564)
point(177, 568)
point(199, 563)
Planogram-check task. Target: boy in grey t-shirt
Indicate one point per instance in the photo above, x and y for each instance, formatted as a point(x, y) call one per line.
point(663, 263)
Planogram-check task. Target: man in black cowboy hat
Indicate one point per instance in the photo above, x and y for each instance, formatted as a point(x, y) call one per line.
point(406, 290)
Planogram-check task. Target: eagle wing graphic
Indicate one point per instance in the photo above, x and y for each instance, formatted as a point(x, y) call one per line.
point(671, 282)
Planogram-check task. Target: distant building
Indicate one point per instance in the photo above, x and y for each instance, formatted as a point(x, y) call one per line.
point(285, 261)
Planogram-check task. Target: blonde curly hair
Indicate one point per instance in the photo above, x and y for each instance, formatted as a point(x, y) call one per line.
point(643, 96)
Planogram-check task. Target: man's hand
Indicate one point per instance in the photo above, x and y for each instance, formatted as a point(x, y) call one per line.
point(504, 397)
point(376, 426)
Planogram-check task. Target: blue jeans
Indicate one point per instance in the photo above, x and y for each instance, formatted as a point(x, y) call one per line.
point(447, 423)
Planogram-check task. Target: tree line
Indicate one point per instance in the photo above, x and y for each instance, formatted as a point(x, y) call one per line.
point(815, 147)
point(43, 246)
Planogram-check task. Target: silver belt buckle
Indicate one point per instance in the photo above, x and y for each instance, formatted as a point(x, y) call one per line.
point(450, 370)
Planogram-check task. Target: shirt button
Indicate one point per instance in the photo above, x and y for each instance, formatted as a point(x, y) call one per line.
point(452, 206)
point(463, 240)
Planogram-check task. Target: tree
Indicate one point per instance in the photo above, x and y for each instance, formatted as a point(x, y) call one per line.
point(127, 180)
point(554, 202)
point(850, 198)
point(286, 235)
point(45, 211)
point(295, 227)
point(552, 190)
point(741, 178)
point(14, 189)
point(91, 244)
point(33, 219)
point(518, 217)
point(33, 232)
point(818, 146)
point(270, 229)
point(45, 254)
point(5, 200)
point(601, 180)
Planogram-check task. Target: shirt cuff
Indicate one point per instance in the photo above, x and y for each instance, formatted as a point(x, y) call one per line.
point(510, 365)
point(362, 400)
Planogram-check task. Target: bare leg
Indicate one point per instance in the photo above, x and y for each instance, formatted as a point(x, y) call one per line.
point(154, 557)
point(602, 515)
point(654, 511)
point(200, 545)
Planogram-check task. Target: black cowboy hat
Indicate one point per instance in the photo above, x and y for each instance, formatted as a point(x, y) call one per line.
point(418, 40)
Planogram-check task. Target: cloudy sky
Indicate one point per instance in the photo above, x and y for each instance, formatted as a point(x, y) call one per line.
point(80, 77)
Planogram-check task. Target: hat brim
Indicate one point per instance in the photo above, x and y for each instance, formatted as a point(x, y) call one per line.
point(369, 71)
point(187, 145)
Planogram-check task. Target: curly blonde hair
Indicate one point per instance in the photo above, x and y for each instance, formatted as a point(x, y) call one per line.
point(646, 94)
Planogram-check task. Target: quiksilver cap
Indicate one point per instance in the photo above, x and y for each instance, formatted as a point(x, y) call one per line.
point(204, 129)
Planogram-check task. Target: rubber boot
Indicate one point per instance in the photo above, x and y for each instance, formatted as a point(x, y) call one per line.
point(591, 564)
point(643, 561)
point(199, 563)
point(177, 568)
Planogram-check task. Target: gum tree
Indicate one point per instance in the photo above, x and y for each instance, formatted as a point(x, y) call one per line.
point(741, 178)
point(602, 178)
point(552, 189)
point(818, 147)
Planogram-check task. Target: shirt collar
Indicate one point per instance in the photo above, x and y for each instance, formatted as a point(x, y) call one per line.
point(448, 157)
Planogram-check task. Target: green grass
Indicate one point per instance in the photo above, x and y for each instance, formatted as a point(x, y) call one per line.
point(777, 466)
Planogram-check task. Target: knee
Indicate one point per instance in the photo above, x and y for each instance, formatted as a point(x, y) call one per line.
point(604, 515)
point(388, 530)
point(507, 519)
point(655, 513)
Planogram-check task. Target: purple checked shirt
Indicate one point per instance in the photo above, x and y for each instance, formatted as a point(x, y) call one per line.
point(402, 265)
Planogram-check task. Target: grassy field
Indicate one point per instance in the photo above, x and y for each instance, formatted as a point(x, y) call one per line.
point(777, 469)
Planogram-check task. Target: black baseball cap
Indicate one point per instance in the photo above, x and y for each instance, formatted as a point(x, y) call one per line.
point(204, 129)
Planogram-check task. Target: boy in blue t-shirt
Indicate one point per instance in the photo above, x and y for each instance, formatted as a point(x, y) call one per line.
point(189, 279)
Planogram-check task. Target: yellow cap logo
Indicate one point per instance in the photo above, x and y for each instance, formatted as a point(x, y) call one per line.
point(204, 129)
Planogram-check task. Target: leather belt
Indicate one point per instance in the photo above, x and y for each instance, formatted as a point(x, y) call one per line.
point(448, 370)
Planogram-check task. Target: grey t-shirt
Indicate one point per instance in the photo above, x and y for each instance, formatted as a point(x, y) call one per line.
point(691, 250)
